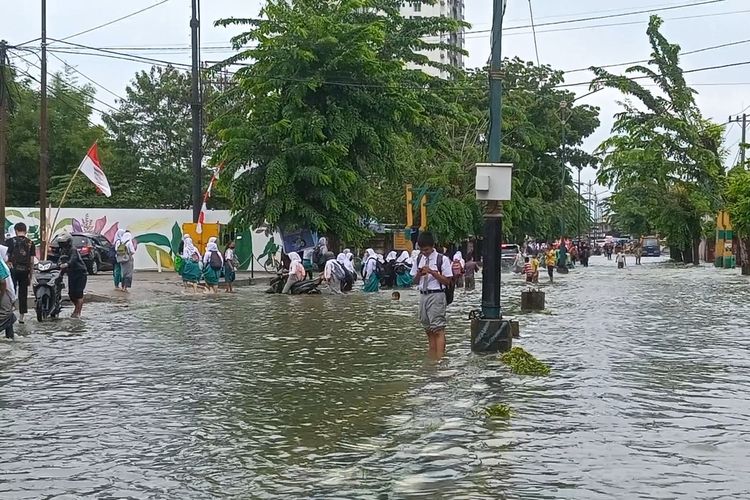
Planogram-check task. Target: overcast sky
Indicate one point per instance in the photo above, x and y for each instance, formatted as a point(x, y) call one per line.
point(568, 46)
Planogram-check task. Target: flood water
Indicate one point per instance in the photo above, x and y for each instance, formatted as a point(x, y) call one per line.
point(255, 396)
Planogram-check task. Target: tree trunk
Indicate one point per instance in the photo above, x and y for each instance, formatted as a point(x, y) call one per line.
point(675, 254)
point(744, 260)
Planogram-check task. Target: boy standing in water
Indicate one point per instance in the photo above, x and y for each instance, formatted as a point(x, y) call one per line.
point(469, 272)
point(432, 274)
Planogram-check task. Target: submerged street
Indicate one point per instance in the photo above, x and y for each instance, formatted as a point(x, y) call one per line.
point(269, 396)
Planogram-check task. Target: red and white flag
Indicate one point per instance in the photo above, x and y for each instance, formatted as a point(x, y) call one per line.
point(91, 168)
point(204, 208)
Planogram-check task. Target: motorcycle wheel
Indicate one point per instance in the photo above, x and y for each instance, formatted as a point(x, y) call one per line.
point(39, 312)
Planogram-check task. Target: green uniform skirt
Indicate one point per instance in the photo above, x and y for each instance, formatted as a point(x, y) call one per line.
point(372, 284)
point(211, 276)
point(191, 271)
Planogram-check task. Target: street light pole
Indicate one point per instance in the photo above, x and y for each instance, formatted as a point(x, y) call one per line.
point(43, 137)
point(490, 332)
point(493, 221)
point(195, 108)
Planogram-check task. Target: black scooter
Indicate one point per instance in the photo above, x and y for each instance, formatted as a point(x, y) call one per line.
point(48, 287)
point(305, 287)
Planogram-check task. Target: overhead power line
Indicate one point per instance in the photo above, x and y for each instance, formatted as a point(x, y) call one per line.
point(113, 21)
point(642, 61)
point(533, 30)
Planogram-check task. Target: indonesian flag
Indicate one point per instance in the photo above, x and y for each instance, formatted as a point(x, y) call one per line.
point(204, 208)
point(91, 168)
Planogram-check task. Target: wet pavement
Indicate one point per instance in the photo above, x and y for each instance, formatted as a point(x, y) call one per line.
point(256, 396)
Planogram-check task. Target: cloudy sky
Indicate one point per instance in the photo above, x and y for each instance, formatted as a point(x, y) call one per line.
point(567, 46)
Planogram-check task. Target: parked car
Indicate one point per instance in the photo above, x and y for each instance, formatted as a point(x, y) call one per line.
point(95, 249)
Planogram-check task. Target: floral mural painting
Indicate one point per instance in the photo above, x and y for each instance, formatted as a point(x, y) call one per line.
point(87, 225)
point(157, 233)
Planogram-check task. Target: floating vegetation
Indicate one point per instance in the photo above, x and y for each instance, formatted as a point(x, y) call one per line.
point(523, 363)
point(498, 410)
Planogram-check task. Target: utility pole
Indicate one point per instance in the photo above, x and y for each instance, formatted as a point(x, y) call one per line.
point(4, 104)
point(195, 108)
point(493, 219)
point(743, 120)
point(43, 137)
point(589, 197)
point(579, 206)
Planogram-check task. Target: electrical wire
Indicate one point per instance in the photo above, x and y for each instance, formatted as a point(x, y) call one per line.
point(67, 65)
point(630, 23)
point(533, 30)
point(109, 23)
point(89, 94)
point(642, 61)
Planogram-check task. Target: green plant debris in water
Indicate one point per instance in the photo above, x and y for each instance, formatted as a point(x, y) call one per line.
point(498, 410)
point(523, 363)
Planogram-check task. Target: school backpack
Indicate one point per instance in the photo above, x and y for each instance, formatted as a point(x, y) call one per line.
point(338, 272)
point(457, 269)
point(21, 254)
point(215, 261)
point(123, 254)
point(450, 290)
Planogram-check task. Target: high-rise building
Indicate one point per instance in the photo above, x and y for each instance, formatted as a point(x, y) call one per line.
point(445, 8)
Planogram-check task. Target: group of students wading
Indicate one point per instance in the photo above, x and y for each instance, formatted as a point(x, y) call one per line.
point(435, 276)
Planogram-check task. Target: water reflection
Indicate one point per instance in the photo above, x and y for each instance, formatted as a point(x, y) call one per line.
point(332, 397)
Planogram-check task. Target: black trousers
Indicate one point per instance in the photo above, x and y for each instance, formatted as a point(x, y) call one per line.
point(21, 281)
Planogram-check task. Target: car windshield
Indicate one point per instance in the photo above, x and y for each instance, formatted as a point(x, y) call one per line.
point(509, 249)
point(650, 242)
point(78, 242)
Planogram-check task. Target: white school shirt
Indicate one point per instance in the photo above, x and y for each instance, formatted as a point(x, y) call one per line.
point(429, 282)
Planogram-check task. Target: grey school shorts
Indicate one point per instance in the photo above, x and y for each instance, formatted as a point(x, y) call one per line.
point(432, 311)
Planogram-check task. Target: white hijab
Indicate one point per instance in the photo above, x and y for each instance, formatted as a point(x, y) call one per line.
point(295, 265)
point(391, 256)
point(212, 247)
point(118, 236)
point(458, 257)
point(370, 254)
point(189, 249)
point(404, 258)
point(345, 262)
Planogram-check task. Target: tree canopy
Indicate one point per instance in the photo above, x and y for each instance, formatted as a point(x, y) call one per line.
point(663, 159)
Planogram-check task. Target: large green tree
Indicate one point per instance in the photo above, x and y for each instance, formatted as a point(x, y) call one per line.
point(542, 144)
point(325, 109)
point(663, 159)
point(71, 133)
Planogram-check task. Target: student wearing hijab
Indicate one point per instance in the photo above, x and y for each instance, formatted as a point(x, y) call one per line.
point(117, 269)
point(350, 267)
point(370, 272)
point(125, 250)
point(457, 266)
point(389, 266)
point(9, 279)
point(403, 270)
point(191, 257)
point(346, 265)
point(333, 274)
point(297, 272)
point(213, 263)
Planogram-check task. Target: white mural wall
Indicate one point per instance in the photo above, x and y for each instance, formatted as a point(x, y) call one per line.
point(157, 232)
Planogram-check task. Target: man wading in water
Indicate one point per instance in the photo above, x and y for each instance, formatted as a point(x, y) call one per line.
point(432, 274)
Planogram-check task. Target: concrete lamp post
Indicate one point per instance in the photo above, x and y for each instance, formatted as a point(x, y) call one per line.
point(490, 332)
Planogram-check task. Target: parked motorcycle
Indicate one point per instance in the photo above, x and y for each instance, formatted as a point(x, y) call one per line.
point(48, 287)
point(305, 287)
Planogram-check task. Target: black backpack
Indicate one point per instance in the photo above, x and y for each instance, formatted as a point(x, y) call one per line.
point(450, 290)
point(215, 261)
point(21, 254)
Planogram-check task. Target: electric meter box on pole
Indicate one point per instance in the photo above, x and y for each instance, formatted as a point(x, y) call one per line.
point(493, 181)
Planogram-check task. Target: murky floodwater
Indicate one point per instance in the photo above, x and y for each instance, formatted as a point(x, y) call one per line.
point(256, 396)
